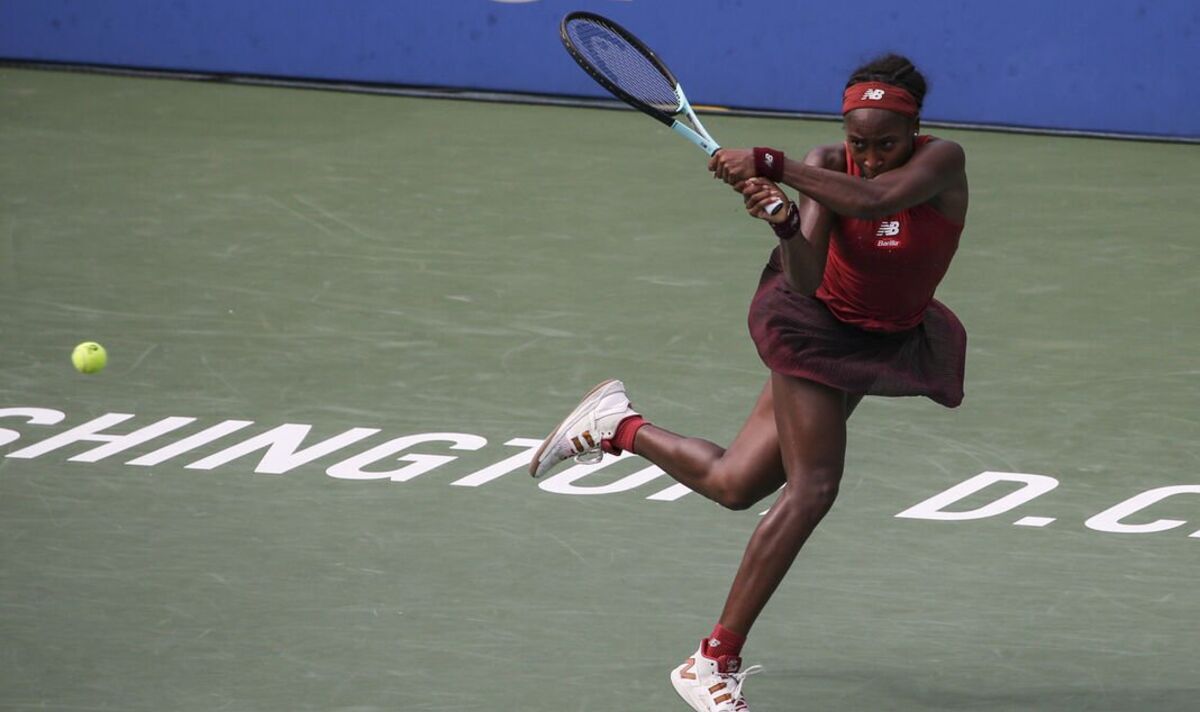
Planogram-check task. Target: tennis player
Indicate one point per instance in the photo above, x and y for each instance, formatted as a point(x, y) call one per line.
point(844, 309)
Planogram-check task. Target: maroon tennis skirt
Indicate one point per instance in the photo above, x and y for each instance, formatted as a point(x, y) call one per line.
point(797, 335)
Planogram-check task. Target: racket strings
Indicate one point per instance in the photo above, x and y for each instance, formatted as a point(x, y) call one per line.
point(623, 64)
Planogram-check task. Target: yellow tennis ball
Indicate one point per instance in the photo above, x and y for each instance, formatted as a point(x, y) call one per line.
point(89, 357)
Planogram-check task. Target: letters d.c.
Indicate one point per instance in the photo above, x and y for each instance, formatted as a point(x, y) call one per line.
point(1113, 520)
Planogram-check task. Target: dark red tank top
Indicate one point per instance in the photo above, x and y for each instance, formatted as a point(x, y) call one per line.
point(880, 275)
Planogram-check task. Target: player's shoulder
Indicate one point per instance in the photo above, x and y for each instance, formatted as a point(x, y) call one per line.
point(832, 157)
point(944, 148)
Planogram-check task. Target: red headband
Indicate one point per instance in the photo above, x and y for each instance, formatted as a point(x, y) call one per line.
point(877, 95)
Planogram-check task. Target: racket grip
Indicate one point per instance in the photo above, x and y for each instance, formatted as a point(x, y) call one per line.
point(774, 207)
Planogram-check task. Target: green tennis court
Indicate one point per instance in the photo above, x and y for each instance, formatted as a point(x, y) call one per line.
point(336, 323)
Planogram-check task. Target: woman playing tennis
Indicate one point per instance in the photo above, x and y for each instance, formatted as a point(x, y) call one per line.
point(844, 309)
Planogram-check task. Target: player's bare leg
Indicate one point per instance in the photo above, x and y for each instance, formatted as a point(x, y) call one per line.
point(795, 434)
point(811, 423)
point(736, 477)
point(809, 459)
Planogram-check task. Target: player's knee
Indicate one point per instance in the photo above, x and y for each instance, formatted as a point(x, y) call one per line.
point(738, 499)
point(817, 488)
point(733, 492)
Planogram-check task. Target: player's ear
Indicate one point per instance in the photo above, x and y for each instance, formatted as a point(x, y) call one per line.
point(916, 126)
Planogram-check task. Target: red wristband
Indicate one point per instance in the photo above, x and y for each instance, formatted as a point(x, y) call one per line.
point(789, 228)
point(768, 163)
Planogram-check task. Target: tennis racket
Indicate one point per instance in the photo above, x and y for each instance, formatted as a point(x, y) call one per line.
point(626, 67)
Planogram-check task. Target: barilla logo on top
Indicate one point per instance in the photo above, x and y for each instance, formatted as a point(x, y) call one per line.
point(873, 94)
point(887, 232)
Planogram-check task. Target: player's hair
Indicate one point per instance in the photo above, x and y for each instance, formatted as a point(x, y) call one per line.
point(893, 69)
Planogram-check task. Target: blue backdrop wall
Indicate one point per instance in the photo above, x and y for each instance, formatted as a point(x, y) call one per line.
point(1130, 66)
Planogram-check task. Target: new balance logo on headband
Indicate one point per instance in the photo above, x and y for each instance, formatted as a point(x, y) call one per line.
point(878, 95)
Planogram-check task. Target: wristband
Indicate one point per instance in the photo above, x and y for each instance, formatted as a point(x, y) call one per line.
point(768, 163)
point(788, 229)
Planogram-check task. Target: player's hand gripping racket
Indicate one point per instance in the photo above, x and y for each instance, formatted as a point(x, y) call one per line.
point(629, 69)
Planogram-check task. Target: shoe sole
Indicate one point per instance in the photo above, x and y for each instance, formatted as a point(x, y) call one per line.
point(537, 456)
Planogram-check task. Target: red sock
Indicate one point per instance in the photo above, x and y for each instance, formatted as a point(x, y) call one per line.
point(626, 431)
point(723, 643)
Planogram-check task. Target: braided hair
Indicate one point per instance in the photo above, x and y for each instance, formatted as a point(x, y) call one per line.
point(893, 69)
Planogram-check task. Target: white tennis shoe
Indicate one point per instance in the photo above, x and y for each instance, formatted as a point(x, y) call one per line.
point(581, 434)
point(705, 688)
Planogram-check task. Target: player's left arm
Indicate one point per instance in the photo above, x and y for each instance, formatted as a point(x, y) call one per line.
point(939, 167)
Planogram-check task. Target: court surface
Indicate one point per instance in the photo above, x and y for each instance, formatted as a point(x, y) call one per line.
point(400, 295)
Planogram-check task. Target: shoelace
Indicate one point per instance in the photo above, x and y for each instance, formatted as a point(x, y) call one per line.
point(738, 679)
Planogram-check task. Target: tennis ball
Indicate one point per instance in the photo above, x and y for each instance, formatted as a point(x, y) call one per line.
point(89, 357)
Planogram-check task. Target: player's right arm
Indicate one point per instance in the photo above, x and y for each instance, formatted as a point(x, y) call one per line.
point(804, 253)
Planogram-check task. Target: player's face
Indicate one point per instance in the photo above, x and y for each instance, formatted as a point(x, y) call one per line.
point(879, 140)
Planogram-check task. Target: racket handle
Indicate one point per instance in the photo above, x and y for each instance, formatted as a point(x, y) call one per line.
point(774, 207)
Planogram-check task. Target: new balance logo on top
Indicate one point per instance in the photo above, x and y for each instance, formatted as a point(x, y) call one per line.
point(873, 94)
point(887, 232)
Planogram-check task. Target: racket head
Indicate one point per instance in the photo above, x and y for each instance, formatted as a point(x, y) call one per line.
point(621, 63)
